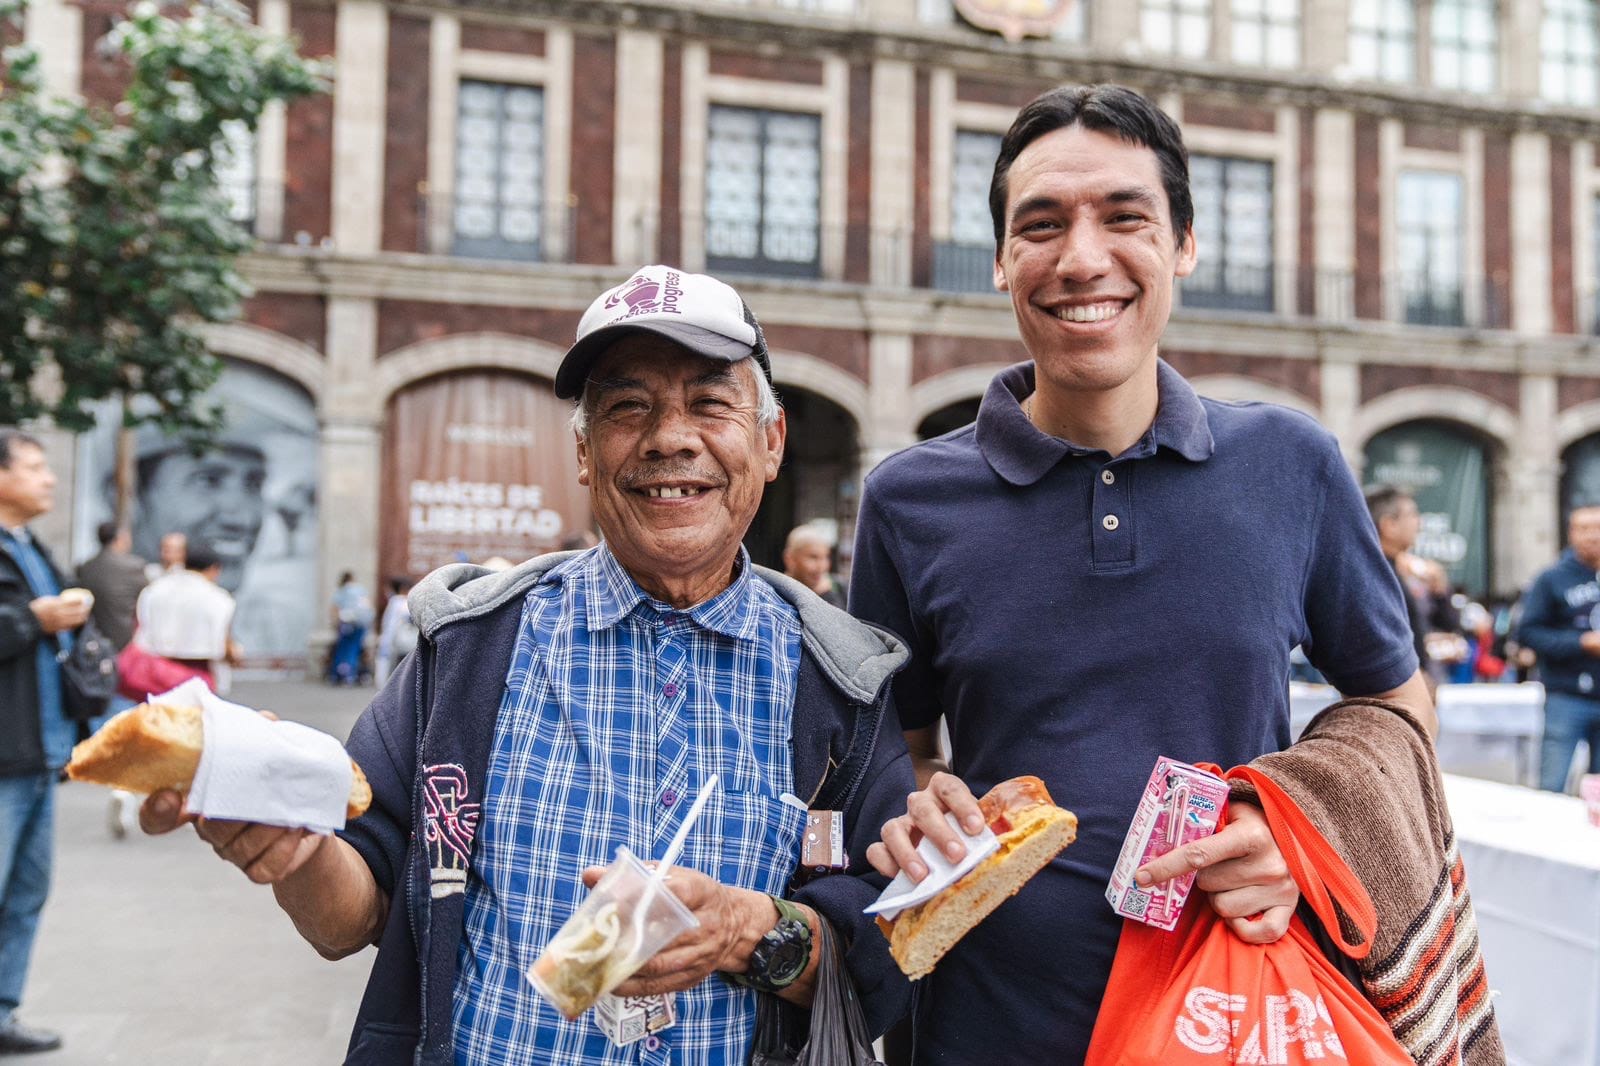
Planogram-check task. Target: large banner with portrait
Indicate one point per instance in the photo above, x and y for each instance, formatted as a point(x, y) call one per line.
point(251, 496)
point(1446, 471)
point(477, 465)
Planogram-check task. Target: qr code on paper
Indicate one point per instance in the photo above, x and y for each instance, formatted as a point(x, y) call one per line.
point(1135, 904)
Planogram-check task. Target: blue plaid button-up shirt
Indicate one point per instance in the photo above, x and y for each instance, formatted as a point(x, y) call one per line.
point(616, 708)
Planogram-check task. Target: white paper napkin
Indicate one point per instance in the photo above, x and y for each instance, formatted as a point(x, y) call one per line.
point(942, 873)
point(254, 769)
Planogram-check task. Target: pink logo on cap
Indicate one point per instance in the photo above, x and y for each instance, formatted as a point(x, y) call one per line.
point(643, 295)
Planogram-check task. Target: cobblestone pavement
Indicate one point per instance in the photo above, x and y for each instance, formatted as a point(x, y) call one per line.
point(153, 950)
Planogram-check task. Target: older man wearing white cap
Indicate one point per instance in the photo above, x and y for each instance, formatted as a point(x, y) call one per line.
point(576, 702)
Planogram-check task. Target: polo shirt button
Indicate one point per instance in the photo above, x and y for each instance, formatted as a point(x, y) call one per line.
point(1108, 477)
point(669, 690)
point(1110, 522)
point(652, 1043)
point(668, 798)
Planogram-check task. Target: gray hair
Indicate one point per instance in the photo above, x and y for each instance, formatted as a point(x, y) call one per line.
point(767, 405)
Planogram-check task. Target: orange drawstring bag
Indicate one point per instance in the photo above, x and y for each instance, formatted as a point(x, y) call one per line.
point(1200, 996)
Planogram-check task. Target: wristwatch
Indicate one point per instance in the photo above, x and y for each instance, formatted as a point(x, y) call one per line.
point(782, 955)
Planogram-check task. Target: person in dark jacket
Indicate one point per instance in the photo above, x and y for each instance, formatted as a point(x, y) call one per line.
point(1561, 622)
point(579, 702)
point(116, 577)
point(36, 737)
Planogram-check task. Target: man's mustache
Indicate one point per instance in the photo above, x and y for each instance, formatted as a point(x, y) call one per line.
point(669, 470)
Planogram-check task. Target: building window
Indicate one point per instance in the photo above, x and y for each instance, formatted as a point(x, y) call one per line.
point(1383, 39)
point(1266, 33)
point(763, 191)
point(1569, 49)
point(1429, 219)
point(499, 171)
point(1465, 45)
point(1233, 234)
point(1177, 27)
point(234, 163)
point(965, 262)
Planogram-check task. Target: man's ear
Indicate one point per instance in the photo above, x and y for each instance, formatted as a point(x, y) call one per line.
point(583, 459)
point(1188, 255)
point(1000, 282)
point(776, 435)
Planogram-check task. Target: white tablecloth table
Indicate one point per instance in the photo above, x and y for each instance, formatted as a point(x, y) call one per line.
point(1484, 730)
point(1533, 868)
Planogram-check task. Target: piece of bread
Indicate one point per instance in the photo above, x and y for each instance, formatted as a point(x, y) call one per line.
point(1032, 831)
point(154, 746)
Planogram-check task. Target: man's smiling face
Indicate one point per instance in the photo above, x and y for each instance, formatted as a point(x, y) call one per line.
point(676, 461)
point(1089, 257)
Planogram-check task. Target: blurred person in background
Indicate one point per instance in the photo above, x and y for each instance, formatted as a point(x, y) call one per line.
point(171, 550)
point(1560, 612)
point(1425, 585)
point(397, 633)
point(808, 558)
point(186, 617)
point(351, 615)
point(36, 737)
point(116, 577)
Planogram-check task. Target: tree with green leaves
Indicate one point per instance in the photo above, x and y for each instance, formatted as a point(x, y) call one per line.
point(116, 241)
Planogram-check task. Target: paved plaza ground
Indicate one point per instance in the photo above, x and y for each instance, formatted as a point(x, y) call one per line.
point(153, 950)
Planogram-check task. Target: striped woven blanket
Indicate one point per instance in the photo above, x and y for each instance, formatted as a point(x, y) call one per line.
point(1365, 774)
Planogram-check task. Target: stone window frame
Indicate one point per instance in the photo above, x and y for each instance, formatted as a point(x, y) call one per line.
point(1383, 35)
point(1263, 25)
point(830, 101)
point(449, 65)
point(1281, 148)
point(1569, 20)
point(1205, 11)
point(1467, 162)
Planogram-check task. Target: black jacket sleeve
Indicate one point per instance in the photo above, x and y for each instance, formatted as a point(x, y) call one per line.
point(885, 991)
point(383, 743)
point(1542, 626)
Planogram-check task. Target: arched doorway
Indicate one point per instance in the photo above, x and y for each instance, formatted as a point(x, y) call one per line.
point(476, 464)
point(1448, 469)
point(949, 417)
point(1580, 477)
point(818, 481)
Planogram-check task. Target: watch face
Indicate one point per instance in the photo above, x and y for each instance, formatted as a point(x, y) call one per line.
point(786, 961)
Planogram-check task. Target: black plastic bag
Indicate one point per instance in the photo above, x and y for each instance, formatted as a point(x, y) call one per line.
point(836, 1034)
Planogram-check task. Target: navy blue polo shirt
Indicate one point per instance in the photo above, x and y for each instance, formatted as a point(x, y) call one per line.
point(1074, 616)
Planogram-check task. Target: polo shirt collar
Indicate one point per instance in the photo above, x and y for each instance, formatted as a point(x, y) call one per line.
point(1021, 453)
point(613, 595)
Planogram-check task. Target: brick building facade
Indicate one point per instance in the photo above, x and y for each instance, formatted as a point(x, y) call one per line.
point(1397, 211)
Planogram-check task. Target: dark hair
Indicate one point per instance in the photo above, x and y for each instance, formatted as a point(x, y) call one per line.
point(1113, 109)
point(347, 577)
point(10, 438)
point(397, 585)
point(106, 532)
point(201, 557)
point(1383, 501)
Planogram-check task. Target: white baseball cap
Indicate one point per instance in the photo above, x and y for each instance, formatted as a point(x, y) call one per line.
point(694, 310)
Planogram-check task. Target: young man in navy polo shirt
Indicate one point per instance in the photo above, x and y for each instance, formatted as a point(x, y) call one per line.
point(1104, 569)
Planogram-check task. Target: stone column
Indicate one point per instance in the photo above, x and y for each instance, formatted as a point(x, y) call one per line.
point(1525, 519)
point(1335, 213)
point(1530, 234)
point(55, 29)
point(1519, 47)
point(1113, 25)
point(349, 459)
point(1327, 35)
point(890, 419)
point(360, 96)
point(635, 231)
point(1341, 398)
point(894, 121)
